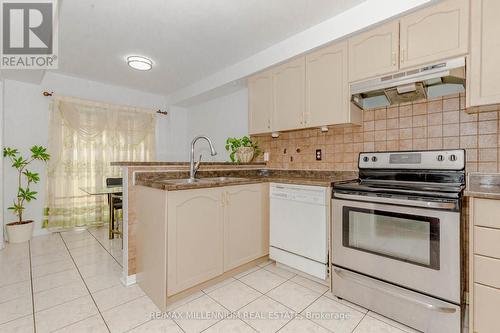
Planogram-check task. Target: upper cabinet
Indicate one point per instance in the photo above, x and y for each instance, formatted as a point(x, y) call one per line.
point(289, 95)
point(374, 52)
point(483, 68)
point(327, 89)
point(260, 102)
point(435, 33)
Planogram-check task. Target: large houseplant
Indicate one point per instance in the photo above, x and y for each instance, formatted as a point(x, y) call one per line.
point(242, 150)
point(21, 230)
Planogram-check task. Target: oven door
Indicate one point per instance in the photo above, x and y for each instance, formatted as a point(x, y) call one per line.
point(416, 248)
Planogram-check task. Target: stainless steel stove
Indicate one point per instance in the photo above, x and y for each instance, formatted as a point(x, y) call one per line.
point(396, 237)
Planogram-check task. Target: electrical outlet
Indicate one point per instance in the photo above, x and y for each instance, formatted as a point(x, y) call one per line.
point(318, 155)
point(266, 157)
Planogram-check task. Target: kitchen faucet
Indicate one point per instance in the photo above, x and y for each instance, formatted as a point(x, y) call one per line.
point(193, 168)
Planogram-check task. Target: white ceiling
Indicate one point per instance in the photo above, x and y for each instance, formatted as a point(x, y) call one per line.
point(187, 39)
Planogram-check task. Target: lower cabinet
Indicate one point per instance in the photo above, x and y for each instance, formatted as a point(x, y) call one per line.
point(246, 231)
point(484, 287)
point(211, 231)
point(194, 237)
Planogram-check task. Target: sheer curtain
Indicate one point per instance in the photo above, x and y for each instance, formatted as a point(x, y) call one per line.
point(84, 138)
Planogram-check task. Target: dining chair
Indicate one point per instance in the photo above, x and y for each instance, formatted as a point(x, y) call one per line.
point(115, 203)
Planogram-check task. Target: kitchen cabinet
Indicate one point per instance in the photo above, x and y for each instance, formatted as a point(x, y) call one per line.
point(289, 95)
point(483, 69)
point(327, 86)
point(435, 33)
point(194, 242)
point(246, 224)
point(260, 103)
point(374, 52)
point(484, 266)
point(188, 237)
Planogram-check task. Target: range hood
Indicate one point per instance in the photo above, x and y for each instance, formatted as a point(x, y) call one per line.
point(427, 82)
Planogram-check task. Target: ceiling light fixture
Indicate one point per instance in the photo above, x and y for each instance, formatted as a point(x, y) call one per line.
point(140, 63)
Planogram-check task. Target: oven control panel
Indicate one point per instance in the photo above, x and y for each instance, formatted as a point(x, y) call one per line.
point(420, 160)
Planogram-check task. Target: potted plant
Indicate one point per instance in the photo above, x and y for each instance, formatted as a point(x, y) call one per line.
point(21, 230)
point(243, 150)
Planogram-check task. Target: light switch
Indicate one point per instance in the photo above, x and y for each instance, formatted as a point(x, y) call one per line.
point(266, 157)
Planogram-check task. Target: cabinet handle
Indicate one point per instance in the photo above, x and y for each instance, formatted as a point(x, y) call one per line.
point(394, 58)
point(227, 198)
point(403, 55)
point(269, 123)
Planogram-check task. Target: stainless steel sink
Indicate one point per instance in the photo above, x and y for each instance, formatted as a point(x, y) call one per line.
point(182, 181)
point(222, 179)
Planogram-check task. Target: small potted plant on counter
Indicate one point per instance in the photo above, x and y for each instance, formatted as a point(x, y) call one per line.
point(242, 150)
point(21, 230)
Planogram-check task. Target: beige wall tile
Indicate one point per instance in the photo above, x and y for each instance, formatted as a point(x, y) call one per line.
point(405, 133)
point(435, 106)
point(451, 142)
point(405, 122)
point(392, 123)
point(487, 141)
point(419, 132)
point(435, 143)
point(419, 109)
point(488, 127)
point(468, 128)
point(451, 130)
point(405, 111)
point(488, 155)
point(381, 114)
point(435, 131)
point(451, 104)
point(392, 112)
point(435, 118)
point(419, 121)
point(451, 117)
point(380, 124)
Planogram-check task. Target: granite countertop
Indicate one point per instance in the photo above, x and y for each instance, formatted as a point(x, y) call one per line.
point(128, 163)
point(480, 185)
point(243, 177)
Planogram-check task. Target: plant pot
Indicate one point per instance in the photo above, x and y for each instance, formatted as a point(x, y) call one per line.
point(245, 154)
point(19, 232)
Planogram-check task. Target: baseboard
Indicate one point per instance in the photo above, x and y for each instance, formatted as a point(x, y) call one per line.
point(129, 280)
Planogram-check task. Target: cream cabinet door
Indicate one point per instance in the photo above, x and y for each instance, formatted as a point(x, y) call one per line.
point(375, 52)
point(484, 70)
point(435, 33)
point(194, 233)
point(260, 103)
point(486, 306)
point(327, 86)
point(289, 95)
point(245, 224)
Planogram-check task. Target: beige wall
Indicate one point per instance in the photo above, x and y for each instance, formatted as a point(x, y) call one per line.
point(436, 124)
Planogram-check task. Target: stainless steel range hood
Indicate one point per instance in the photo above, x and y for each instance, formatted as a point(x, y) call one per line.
point(431, 81)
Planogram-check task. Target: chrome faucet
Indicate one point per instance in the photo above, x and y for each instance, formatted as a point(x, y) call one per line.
point(193, 168)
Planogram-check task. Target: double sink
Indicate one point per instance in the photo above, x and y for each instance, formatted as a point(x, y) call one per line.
point(207, 180)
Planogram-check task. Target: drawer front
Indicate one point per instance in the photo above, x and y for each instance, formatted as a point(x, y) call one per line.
point(487, 242)
point(487, 271)
point(487, 213)
point(486, 305)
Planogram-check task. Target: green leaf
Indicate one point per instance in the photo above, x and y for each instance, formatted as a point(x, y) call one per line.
point(19, 162)
point(32, 177)
point(39, 153)
point(9, 152)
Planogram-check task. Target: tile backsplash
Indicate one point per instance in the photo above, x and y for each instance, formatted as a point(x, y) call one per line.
point(435, 124)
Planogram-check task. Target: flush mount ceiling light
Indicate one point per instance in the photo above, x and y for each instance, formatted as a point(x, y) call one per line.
point(140, 63)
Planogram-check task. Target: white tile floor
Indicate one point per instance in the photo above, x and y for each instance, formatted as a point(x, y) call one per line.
point(70, 282)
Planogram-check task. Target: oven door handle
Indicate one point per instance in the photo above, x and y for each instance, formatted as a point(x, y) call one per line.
point(428, 306)
point(395, 201)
